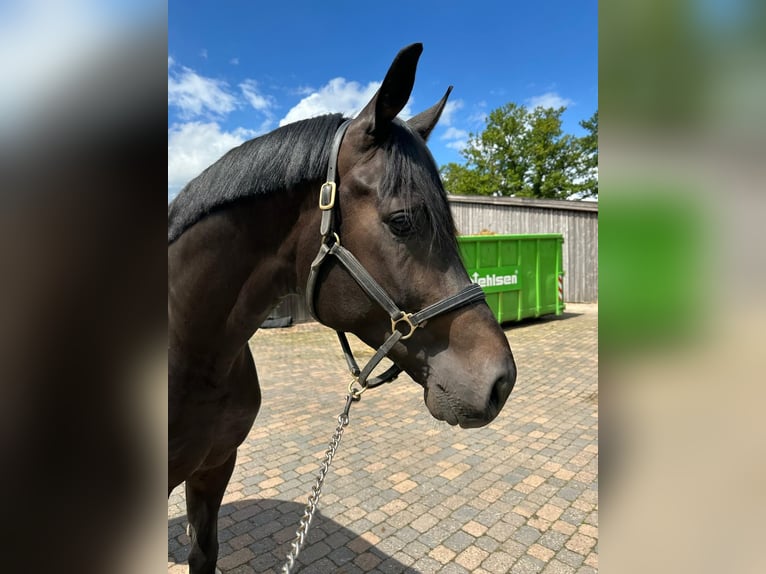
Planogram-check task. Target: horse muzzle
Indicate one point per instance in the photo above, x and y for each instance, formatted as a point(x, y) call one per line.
point(470, 404)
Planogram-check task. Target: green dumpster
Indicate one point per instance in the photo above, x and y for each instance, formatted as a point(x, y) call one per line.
point(522, 275)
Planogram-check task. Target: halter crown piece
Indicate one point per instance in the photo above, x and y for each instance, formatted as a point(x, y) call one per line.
point(403, 324)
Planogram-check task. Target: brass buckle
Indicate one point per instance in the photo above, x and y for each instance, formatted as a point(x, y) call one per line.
point(331, 203)
point(406, 318)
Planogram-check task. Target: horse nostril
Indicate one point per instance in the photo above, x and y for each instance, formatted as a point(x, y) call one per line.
point(501, 389)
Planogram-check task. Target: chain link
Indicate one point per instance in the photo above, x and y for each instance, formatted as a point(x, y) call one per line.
point(316, 490)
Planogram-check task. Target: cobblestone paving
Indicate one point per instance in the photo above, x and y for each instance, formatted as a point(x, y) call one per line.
point(407, 493)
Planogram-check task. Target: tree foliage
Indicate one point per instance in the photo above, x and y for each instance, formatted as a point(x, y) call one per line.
point(524, 153)
point(589, 155)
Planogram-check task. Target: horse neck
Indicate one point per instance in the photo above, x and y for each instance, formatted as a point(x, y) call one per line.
point(229, 270)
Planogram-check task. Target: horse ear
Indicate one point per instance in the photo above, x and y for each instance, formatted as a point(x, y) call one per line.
point(426, 121)
point(394, 92)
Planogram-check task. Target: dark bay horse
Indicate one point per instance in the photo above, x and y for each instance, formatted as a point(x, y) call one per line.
point(244, 233)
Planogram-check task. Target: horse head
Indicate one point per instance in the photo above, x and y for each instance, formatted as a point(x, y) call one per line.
point(391, 212)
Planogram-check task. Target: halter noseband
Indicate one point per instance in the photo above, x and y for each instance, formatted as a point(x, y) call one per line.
point(399, 319)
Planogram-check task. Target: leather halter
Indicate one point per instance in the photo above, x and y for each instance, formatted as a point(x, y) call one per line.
point(403, 324)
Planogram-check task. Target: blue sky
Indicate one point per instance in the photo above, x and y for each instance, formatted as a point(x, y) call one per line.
point(238, 69)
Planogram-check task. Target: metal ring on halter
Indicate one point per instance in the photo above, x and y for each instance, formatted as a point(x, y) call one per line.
point(355, 392)
point(335, 237)
point(406, 318)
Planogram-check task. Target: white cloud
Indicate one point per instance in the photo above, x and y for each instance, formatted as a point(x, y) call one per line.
point(193, 146)
point(302, 91)
point(257, 100)
point(197, 95)
point(478, 118)
point(234, 61)
point(459, 138)
point(337, 96)
point(458, 145)
point(449, 112)
point(549, 100)
point(454, 133)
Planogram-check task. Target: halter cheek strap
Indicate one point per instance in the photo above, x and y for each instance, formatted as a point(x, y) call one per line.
point(403, 324)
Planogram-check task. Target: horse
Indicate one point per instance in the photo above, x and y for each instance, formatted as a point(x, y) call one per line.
point(352, 214)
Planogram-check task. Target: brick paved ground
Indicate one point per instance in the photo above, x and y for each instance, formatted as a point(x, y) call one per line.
point(405, 492)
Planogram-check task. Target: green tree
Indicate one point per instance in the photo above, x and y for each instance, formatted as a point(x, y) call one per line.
point(589, 156)
point(524, 153)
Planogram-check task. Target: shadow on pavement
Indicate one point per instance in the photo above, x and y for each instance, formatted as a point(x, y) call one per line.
point(259, 532)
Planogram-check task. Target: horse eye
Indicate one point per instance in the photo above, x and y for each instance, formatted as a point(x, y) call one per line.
point(401, 224)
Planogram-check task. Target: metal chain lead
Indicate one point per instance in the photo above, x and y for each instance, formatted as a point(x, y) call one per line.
point(316, 490)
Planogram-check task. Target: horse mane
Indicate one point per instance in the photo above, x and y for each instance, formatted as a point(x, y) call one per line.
point(299, 153)
point(288, 156)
